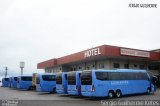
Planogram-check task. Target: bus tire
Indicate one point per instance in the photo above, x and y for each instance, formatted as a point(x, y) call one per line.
point(54, 90)
point(118, 93)
point(111, 94)
point(30, 88)
point(149, 90)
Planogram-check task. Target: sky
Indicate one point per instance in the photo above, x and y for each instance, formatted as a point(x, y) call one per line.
point(37, 30)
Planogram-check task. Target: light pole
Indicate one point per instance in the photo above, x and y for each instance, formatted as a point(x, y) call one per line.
point(21, 66)
point(6, 68)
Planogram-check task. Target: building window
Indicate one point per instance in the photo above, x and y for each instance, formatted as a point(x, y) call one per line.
point(101, 66)
point(60, 68)
point(116, 65)
point(141, 66)
point(79, 68)
point(71, 69)
point(49, 71)
point(93, 66)
point(88, 68)
point(74, 69)
point(153, 67)
point(135, 65)
point(126, 66)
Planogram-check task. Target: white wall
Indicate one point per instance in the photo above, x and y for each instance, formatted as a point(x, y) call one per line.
point(108, 64)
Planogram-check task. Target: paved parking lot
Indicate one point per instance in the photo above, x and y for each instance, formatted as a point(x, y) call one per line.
point(32, 98)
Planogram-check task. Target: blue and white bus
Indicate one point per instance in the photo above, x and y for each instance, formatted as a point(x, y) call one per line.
point(46, 83)
point(61, 83)
point(5, 82)
point(10, 81)
point(74, 82)
point(24, 82)
point(115, 83)
point(13, 82)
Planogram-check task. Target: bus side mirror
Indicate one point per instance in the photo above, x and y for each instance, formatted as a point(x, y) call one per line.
point(155, 79)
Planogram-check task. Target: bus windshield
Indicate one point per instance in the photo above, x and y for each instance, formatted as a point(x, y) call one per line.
point(6, 79)
point(49, 77)
point(86, 78)
point(15, 78)
point(72, 78)
point(27, 78)
point(59, 79)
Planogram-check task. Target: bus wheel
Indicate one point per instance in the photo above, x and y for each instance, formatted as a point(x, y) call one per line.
point(118, 93)
point(54, 90)
point(148, 91)
point(30, 88)
point(110, 94)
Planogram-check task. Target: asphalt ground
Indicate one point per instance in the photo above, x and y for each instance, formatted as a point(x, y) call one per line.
point(14, 97)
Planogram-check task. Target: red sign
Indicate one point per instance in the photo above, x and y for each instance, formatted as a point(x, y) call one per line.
point(130, 52)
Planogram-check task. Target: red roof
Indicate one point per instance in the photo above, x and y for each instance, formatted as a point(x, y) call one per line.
point(105, 51)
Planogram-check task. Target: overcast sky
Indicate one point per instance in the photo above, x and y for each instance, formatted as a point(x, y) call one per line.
point(38, 30)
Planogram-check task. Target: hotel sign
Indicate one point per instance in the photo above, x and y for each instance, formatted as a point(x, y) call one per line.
point(130, 52)
point(92, 52)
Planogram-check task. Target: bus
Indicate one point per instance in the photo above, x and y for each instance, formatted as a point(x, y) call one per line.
point(24, 82)
point(46, 83)
point(61, 83)
point(5, 82)
point(10, 81)
point(74, 83)
point(115, 83)
point(13, 82)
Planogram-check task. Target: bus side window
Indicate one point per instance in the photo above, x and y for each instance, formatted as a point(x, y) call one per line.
point(102, 75)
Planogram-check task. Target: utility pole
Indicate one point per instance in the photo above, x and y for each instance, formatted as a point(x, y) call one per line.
point(6, 68)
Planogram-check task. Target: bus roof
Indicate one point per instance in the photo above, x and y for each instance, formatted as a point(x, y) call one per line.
point(4, 77)
point(121, 70)
point(61, 72)
point(48, 74)
point(13, 76)
point(25, 76)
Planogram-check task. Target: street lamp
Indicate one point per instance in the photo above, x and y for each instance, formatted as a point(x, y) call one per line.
point(22, 66)
point(6, 68)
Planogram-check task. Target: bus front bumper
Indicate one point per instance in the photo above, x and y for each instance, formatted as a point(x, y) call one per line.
point(87, 94)
point(60, 91)
point(73, 92)
point(43, 90)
